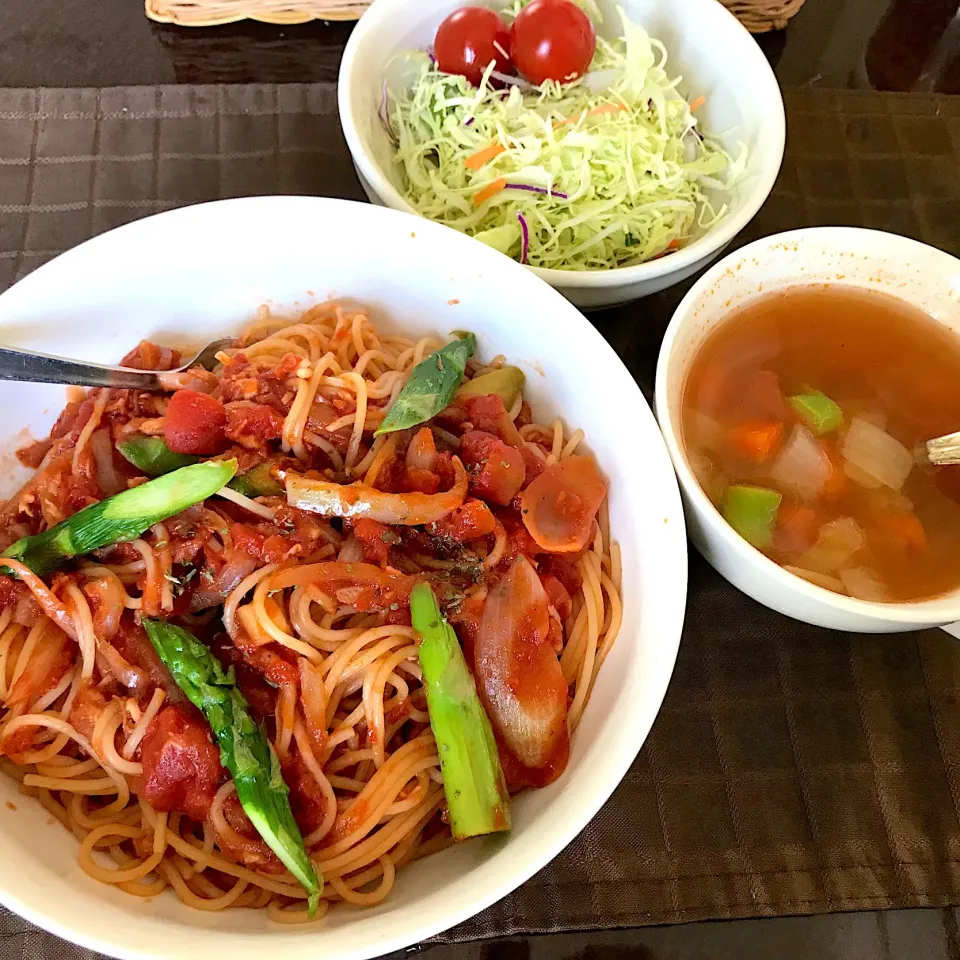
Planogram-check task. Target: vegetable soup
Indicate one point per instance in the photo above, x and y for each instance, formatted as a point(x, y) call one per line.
point(802, 415)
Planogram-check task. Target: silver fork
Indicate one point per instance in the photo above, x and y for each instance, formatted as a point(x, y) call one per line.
point(43, 368)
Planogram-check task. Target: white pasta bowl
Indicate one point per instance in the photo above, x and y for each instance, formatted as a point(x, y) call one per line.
point(187, 276)
point(868, 259)
point(706, 44)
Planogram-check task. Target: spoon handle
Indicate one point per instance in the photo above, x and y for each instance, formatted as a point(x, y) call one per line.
point(944, 450)
point(42, 368)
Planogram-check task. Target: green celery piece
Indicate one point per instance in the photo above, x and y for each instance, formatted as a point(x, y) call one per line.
point(431, 386)
point(506, 382)
point(152, 456)
point(473, 782)
point(244, 750)
point(752, 512)
point(122, 517)
point(258, 482)
point(821, 414)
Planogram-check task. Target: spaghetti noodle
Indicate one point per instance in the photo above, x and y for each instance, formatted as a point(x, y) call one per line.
point(310, 612)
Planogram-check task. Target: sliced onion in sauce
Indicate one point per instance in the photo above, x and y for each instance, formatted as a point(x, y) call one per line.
point(358, 500)
point(518, 673)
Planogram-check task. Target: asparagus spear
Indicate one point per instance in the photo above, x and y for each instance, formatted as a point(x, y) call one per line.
point(122, 517)
point(152, 456)
point(244, 750)
point(431, 386)
point(472, 779)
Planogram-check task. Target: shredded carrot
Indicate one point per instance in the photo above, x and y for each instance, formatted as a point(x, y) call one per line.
point(906, 528)
point(697, 104)
point(483, 157)
point(490, 190)
point(595, 112)
point(674, 244)
point(757, 439)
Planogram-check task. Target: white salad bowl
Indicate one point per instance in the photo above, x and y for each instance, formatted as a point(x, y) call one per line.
point(716, 57)
point(96, 301)
point(920, 275)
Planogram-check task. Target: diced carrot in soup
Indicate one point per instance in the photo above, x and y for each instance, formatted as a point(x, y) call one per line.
point(757, 440)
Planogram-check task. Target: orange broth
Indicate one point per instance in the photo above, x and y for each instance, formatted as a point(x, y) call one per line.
point(884, 364)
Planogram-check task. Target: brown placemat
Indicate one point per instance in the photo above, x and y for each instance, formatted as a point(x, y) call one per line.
point(791, 770)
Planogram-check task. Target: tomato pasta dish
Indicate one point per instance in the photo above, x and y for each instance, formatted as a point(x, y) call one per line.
point(300, 619)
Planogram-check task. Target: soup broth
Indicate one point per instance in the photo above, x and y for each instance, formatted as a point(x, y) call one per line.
point(801, 418)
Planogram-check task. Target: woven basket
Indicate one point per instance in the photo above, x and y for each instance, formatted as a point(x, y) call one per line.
point(758, 16)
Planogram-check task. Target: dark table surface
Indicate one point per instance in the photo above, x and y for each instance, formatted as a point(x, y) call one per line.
point(871, 44)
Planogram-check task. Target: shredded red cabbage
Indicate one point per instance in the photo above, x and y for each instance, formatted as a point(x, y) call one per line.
point(384, 115)
point(511, 81)
point(525, 242)
point(533, 189)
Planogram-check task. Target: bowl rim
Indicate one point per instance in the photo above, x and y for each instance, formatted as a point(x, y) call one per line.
point(416, 926)
point(932, 611)
point(703, 248)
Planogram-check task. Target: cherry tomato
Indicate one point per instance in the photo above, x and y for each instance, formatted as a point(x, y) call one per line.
point(552, 40)
point(194, 423)
point(468, 40)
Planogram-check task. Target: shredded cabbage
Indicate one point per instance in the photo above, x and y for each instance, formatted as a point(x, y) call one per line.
point(623, 171)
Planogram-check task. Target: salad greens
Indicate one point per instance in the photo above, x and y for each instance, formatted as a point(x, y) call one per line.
point(244, 750)
point(609, 170)
point(432, 384)
point(122, 517)
point(473, 782)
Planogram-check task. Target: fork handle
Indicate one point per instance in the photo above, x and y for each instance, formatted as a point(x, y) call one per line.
point(43, 368)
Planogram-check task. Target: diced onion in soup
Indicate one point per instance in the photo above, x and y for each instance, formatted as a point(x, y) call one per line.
point(860, 477)
point(820, 579)
point(713, 483)
point(876, 453)
point(838, 541)
point(863, 583)
point(707, 432)
point(802, 465)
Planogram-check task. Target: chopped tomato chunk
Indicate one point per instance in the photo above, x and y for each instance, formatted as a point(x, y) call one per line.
point(557, 595)
point(250, 424)
point(497, 471)
point(560, 505)
point(488, 413)
point(195, 423)
point(181, 765)
point(469, 521)
point(416, 480)
point(375, 538)
point(533, 464)
point(307, 801)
